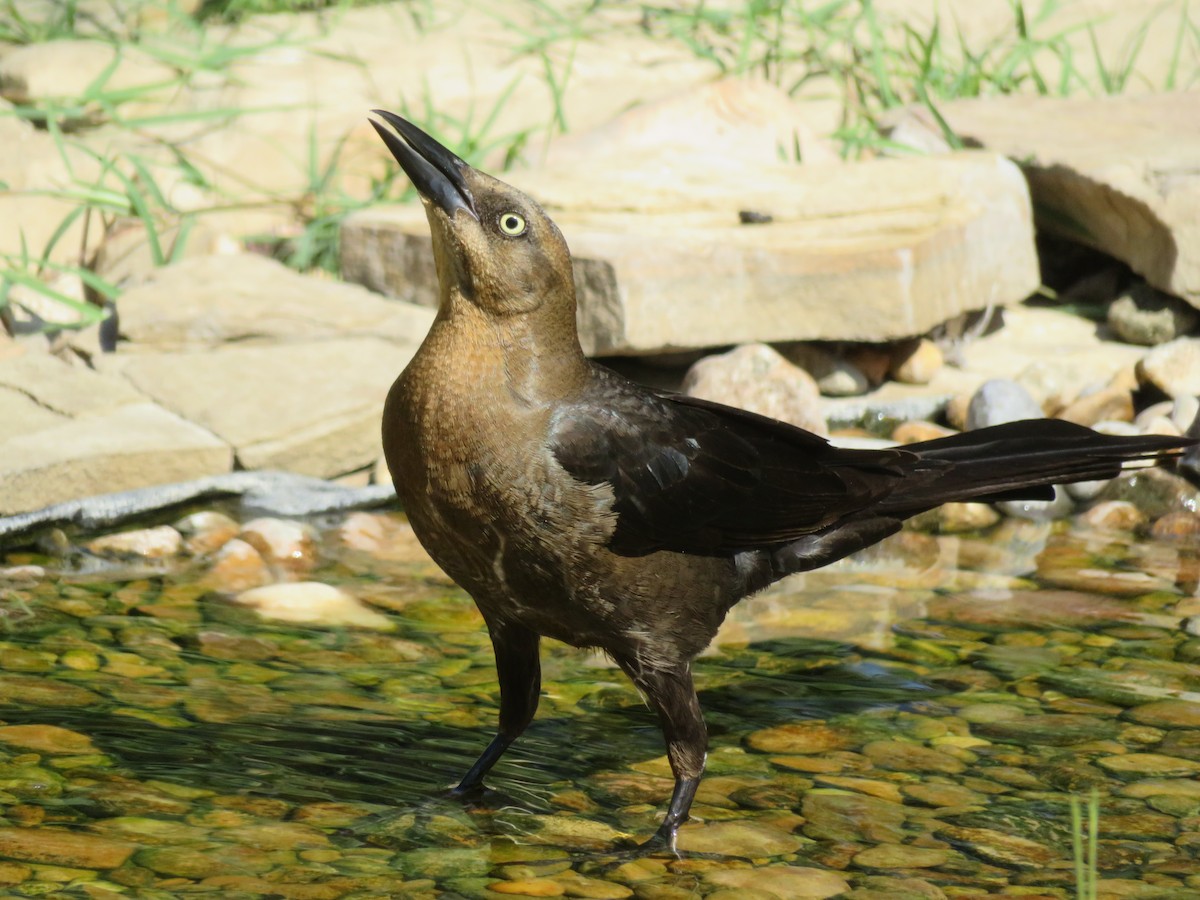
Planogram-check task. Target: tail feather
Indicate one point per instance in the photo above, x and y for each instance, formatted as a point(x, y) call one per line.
point(1021, 460)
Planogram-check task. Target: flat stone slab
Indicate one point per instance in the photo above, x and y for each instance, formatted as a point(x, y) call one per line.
point(63, 389)
point(310, 407)
point(870, 252)
point(247, 297)
point(1117, 173)
point(132, 446)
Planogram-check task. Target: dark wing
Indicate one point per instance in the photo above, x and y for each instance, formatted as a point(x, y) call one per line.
point(699, 477)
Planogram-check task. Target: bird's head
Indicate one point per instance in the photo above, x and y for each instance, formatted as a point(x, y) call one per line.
point(494, 246)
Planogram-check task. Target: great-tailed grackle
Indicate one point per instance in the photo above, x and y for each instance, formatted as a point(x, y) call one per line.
point(572, 503)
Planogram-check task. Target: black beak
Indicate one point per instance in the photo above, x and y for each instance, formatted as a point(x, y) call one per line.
point(435, 172)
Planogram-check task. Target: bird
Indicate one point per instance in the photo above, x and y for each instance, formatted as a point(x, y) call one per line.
point(574, 504)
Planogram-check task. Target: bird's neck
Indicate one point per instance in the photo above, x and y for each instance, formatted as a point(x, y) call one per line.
point(535, 355)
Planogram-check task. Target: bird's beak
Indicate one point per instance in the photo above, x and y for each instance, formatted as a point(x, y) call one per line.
point(435, 172)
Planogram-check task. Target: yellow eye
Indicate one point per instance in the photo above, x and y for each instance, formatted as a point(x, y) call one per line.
point(512, 224)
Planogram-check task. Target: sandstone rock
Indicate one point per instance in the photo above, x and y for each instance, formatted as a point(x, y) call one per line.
point(1173, 368)
point(317, 424)
point(311, 601)
point(81, 70)
point(757, 378)
point(917, 362)
point(1113, 172)
point(1147, 316)
point(734, 121)
point(662, 262)
point(64, 389)
point(136, 445)
point(206, 301)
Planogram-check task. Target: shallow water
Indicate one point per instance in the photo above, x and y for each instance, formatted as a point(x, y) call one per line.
point(910, 723)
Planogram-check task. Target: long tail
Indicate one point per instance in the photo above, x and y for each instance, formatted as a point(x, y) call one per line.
point(1022, 460)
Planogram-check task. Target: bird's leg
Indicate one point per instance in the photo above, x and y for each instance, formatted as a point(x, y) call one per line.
point(671, 694)
point(520, 673)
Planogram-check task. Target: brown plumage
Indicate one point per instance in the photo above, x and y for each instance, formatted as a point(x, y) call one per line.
point(572, 503)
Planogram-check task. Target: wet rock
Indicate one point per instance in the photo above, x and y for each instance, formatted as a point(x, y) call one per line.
point(1173, 368)
point(1164, 714)
point(1153, 765)
point(529, 887)
point(852, 817)
point(198, 862)
point(312, 601)
point(943, 795)
point(278, 836)
point(1049, 731)
point(56, 847)
point(160, 542)
point(46, 739)
point(907, 757)
point(999, 401)
point(576, 885)
point(206, 532)
point(221, 702)
point(1030, 609)
point(800, 737)
point(384, 537)
point(997, 847)
point(1182, 525)
point(35, 691)
point(1114, 515)
point(901, 856)
point(1147, 316)
point(1155, 492)
point(884, 790)
point(758, 378)
point(248, 885)
point(747, 839)
point(917, 363)
point(796, 882)
point(1138, 826)
point(291, 545)
point(574, 832)
point(237, 567)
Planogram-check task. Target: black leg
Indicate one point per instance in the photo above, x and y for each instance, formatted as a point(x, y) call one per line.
point(670, 693)
point(520, 673)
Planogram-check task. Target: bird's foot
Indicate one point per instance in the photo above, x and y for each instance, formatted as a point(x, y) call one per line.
point(480, 796)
